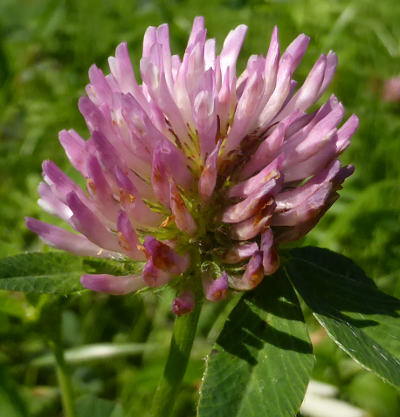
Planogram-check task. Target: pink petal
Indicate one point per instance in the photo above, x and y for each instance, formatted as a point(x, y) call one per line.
point(230, 50)
point(183, 219)
point(99, 90)
point(138, 212)
point(164, 257)
point(59, 182)
point(299, 149)
point(121, 69)
point(204, 110)
point(94, 117)
point(311, 160)
point(116, 285)
point(128, 239)
point(240, 252)
point(250, 228)
point(268, 175)
point(209, 54)
point(290, 234)
point(139, 123)
point(346, 132)
point(331, 112)
point(108, 154)
point(266, 152)
point(52, 204)
point(271, 260)
point(184, 303)
point(175, 163)
point(289, 199)
point(297, 49)
point(154, 276)
point(160, 179)
point(75, 148)
point(309, 92)
point(197, 27)
point(158, 90)
point(281, 92)
point(225, 103)
point(331, 64)
point(247, 109)
point(87, 223)
point(62, 239)
point(215, 289)
point(271, 64)
point(306, 210)
point(208, 177)
point(252, 204)
point(100, 189)
point(253, 275)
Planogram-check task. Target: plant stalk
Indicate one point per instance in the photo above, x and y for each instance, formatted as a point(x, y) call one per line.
point(64, 381)
point(175, 368)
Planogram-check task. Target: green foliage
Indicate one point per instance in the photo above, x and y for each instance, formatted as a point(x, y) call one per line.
point(11, 403)
point(371, 393)
point(41, 273)
point(262, 361)
point(363, 321)
point(53, 272)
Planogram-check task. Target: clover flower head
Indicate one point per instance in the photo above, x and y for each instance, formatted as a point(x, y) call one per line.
point(198, 172)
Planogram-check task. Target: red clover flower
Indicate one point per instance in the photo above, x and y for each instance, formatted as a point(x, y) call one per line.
point(197, 172)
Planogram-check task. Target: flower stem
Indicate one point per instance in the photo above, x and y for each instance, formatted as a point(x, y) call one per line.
point(175, 368)
point(64, 381)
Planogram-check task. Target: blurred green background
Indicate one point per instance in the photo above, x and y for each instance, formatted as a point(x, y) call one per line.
point(46, 48)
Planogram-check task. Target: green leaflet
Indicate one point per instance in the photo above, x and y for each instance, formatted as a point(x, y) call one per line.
point(262, 360)
point(55, 272)
point(356, 315)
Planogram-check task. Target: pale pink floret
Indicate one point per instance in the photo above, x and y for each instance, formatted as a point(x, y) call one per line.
point(154, 276)
point(201, 154)
point(270, 255)
point(215, 289)
point(183, 219)
point(163, 262)
point(240, 252)
point(253, 275)
point(208, 178)
point(128, 239)
point(62, 239)
point(116, 285)
point(184, 303)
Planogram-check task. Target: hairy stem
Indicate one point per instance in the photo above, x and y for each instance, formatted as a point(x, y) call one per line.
point(178, 357)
